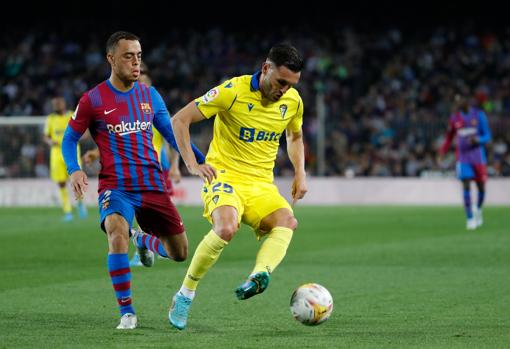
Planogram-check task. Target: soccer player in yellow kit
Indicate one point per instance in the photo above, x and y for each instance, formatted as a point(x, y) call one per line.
point(54, 129)
point(252, 113)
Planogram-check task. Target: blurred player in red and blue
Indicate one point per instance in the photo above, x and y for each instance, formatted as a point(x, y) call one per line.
point(470, 128)
point(120, 113)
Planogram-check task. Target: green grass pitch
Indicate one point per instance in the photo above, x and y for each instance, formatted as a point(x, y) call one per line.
point(401, 277)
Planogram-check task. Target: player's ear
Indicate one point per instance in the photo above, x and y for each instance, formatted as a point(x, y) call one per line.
point(109, 57)
point(265, 67)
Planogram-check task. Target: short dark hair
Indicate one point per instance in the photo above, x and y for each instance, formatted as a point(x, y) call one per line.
point(116, 37)
point(286, 55)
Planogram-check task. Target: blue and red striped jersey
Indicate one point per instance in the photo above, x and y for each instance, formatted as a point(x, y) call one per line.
point(121, 125)
point(472, 132)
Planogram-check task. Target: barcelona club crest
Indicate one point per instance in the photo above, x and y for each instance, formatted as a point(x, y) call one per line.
point(146, 108)
point(283, 110)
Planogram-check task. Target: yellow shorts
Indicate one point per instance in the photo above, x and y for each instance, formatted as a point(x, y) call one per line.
point(58, 170)
point(253, 200)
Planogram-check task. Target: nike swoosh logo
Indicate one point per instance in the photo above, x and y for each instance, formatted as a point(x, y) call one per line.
point(106, 112)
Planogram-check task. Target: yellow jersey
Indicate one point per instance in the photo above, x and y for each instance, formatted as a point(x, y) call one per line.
point(157, 141)
point(55, 127)
point(247, 129)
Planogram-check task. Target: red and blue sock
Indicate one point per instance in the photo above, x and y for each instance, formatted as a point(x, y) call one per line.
point(118, 267)
point(152, 243)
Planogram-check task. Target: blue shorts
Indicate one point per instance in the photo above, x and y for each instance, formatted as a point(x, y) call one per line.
point(477, 172)
point(154, 211)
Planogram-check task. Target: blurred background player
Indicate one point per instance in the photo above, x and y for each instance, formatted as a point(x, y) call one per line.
point(469, 126)
point(168, 159)
point(54, 129)
point(121, 114)
point(251, 113)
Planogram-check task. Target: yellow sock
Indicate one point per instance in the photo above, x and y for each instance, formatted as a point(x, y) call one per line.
point(206, 254)
point(273, 249)
point(64, 196)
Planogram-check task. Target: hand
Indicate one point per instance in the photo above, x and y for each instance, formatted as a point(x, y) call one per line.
point(299, 188)
point(439, 158)
point(175, 174)
point(79, 182)
point(204, 171)
point(474, 141)
point(90, 156)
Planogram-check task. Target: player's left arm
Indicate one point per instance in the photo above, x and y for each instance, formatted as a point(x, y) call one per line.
point(296, 152)
point(484, 132)
point(164, 126)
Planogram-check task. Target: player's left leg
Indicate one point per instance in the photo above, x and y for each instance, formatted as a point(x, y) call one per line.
point(163, 231)
point(466, 187)
point(66, 203)
point(480, 179)
point(277, 225)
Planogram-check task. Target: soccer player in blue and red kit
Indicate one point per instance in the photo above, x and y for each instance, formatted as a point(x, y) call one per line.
point(120, 113)
point(469, 126)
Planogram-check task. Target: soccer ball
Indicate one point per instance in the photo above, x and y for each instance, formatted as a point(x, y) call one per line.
point(311, 304)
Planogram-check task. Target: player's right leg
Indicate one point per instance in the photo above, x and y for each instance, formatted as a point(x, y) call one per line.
point(117, 211)
point(480, 179)
point(466, 173)
point(223, 208)
point(471, 221)
point(225, 225)
point(58, 173)
point(66, 203)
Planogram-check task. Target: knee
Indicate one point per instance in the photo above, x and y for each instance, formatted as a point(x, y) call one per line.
point(292, 223)
point(180, 254)
point(117, 232)
point(287, 221)
point(226, 231)
point(118, 240)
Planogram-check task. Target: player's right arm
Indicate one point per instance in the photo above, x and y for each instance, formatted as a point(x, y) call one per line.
point(175, 172)
point(77, 126)
point(48, 131)
point(181, 123)
point(217, 99)
point(448, 139)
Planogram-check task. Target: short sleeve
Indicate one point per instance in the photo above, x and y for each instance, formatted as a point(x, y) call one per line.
point(297, 120)
point(217, 99)
point(82, 116)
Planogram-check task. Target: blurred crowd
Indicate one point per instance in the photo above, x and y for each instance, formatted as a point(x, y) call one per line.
point(387, 95)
